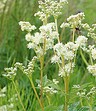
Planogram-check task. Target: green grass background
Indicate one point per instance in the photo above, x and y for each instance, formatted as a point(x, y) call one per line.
point(13, 44)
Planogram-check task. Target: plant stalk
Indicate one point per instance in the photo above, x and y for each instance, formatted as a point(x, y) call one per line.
point(32, 84)
point(57, 28)
point(83, 58)
point(66, 81)
point(41, 79)
point(18, 96)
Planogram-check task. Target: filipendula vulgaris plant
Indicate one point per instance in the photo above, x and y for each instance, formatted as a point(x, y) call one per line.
point(47, 38)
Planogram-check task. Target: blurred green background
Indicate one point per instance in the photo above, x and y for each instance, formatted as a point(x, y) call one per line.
point(12, 41)
point(13, 45)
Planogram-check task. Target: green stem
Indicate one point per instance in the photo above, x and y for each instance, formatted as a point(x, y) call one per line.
point(48, 99)
point(90, 107)
point(66, 81)
point(41, 78)
point(81, 101)
point(32, 84)
point(73, 35)
point(57, 27)
point(18, 96)
point(91, 59)
point(83, 58)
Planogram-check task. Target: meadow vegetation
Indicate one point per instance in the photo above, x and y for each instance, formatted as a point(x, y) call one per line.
point(47, 55)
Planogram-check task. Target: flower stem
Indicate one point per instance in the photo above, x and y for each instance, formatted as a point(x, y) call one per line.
point(66, 81)
point(57, 28)
point(32, 84)
point(18, 96)
point(83, 58)
point(41, 78)
point(81, 102)
point(91, 59)
point(73, 35)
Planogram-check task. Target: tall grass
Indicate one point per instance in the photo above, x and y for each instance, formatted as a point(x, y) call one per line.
point(13, 48)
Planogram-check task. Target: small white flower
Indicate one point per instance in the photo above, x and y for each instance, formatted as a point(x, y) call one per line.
point(31, 45)
point(92, 69)
point(28, 37)
point(94, 53)
point(26, 26)
point(55, 59)
point(71, 46)
point(10, 72)
point(64, 25)
point(75, 20)
point(55, 81)
point(81, 41)
point(3, 90)
point(65, 1)
point(2, 95)
point(76, 86)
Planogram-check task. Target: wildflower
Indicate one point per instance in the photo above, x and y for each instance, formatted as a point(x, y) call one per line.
point(66, 70)
point(55, 81)
point(71, 46)
point(59, 49)
point(91, 92)
point(65, 1)
point(92, 69)
point(3, 90)
point(49, 31)
point(55, 59)
point(76, 86)
point(81, 94)
point(81, 41)
point(28, 37)
point(26, 26)
point(63, 25)
point(31, 45)
point(50, 90)
point(94, 53)
point(75, 20)
point(67, 50)
point(10, 72)
point(85, 25)
point(50, 7)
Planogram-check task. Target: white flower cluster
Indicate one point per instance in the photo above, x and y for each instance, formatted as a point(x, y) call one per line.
point(66, 70)
point(63, 25)
point(74, 20)
point(81, 41)
point(67, 50)
point(7, 107)
point(55, 59)
point(3, 5)
point(2, 92)
point(30, 67)
point(94, 53)
point(76, 86)
point(26, 26)
point(14, 97)
point(10, 72)
point(81, 94)
point(50, 90)
point(87, 27)
point(91, 92)
point(92, 69)
point(55, 81)
point(50, 7)
point(92, 35)
point(43, 40)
